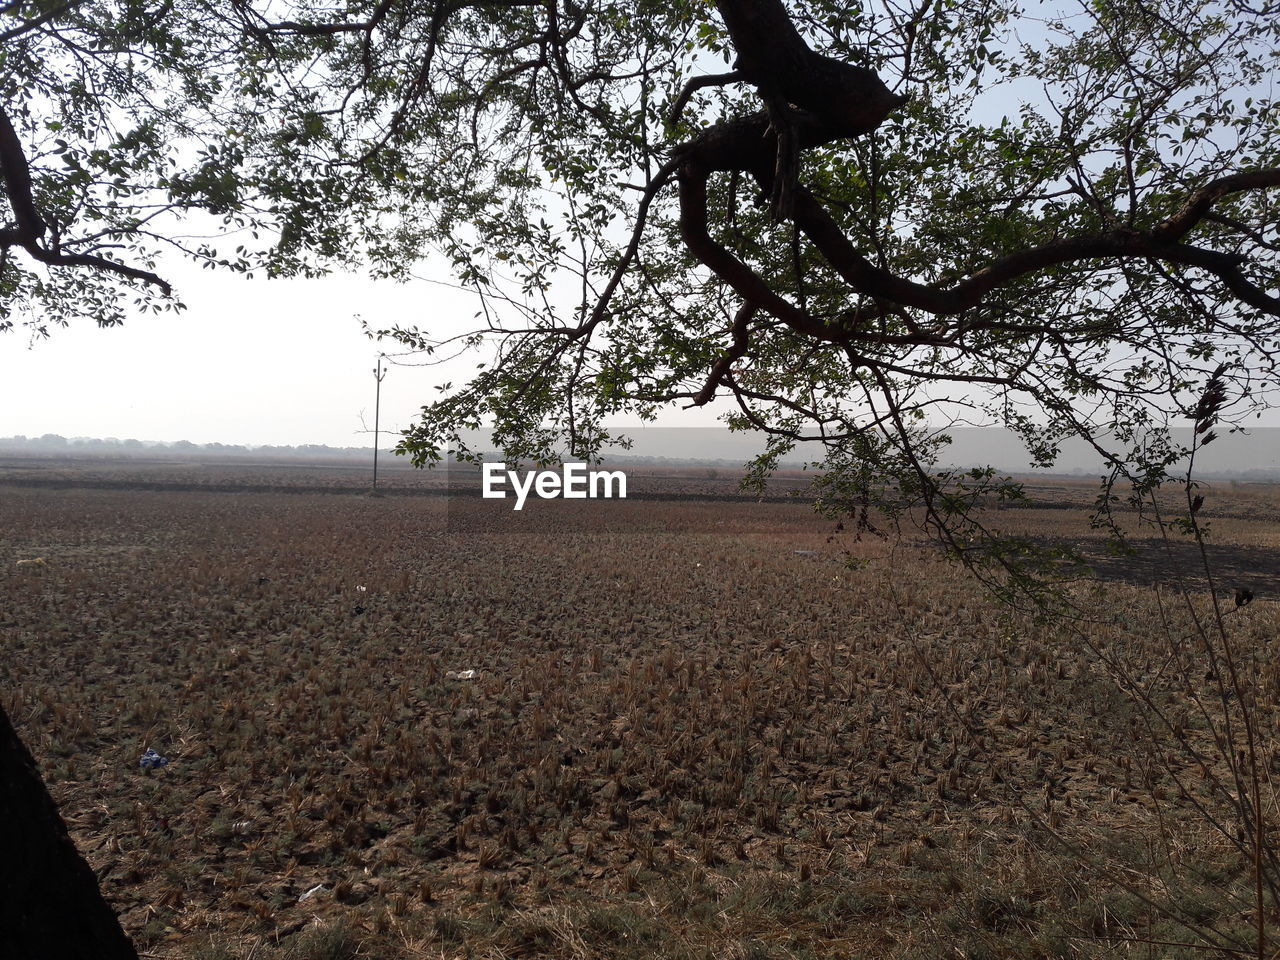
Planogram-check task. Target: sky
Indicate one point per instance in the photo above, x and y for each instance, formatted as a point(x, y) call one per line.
point(249, 362)
point(286, 362)
point(255, 362)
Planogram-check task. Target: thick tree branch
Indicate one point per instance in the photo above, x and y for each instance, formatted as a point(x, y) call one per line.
point(737, 350)
point(838, 100)
point(696, 84)
point(17, 185)
point(296, 28)
point(850, 100)
point(1199, 203)
point(867, 278)
point(745, 281)
point(749, 144)
point(30, 226)
point(27, 26)
point(776, 60)
point(99, 263)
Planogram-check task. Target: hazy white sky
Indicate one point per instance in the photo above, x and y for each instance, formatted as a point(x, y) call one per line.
point(286, 362)
point(250, 361)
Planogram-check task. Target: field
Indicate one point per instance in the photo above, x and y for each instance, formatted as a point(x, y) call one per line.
point(408, 726)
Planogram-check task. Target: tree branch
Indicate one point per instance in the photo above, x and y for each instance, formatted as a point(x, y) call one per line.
point(1198, 204)
point(737, 350)
point(696, 84)
point(17, 184)
point(31, 227)
point(776, 60)
point(29, 25)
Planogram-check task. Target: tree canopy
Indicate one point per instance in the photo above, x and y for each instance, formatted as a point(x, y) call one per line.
point(854, 220)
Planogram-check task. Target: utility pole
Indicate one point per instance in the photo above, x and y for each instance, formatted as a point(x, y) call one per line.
point(378, 374)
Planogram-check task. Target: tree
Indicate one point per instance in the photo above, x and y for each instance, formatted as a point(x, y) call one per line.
point(49, 900)
point(879, 215)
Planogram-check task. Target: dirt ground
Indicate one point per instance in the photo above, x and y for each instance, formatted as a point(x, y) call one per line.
point(415, 726)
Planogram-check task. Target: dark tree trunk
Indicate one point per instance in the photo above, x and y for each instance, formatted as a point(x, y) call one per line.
point(50, 904)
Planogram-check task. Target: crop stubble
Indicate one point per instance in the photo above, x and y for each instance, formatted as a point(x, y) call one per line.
point(685, 739)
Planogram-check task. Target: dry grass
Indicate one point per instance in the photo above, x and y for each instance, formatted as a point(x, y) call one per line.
point(685, 739)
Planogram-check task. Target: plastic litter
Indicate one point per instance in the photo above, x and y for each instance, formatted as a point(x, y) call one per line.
point(152, 760)
point(462, 675)
point(33, 562)
point(317, 889)
point(806, 553)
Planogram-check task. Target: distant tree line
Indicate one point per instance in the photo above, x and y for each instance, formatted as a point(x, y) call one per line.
point(52, 442)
